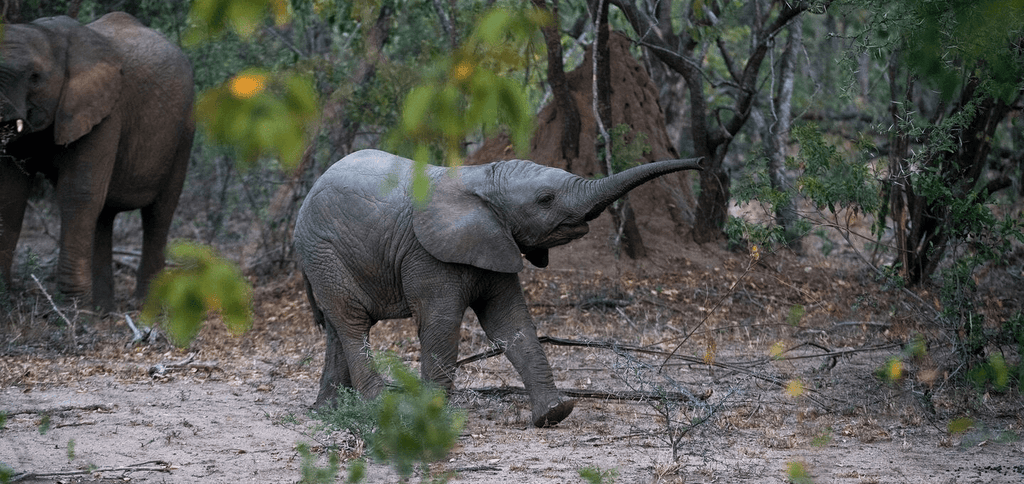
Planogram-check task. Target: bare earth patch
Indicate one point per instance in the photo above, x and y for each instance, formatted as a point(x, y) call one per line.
point(234, 408)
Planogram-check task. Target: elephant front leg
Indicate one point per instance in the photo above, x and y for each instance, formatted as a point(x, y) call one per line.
point(14, 188)
point(507, 322)
point(439, 323)
point(82, 181)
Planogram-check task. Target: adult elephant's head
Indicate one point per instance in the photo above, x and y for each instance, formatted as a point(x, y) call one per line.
point(487, 215)
point(57, 73)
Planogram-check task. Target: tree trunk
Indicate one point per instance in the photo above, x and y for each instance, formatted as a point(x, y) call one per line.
point(686, 55)
point(777, 134)
point(341, 130)
point(627, 233)
point(447, 23)
point(10, 11)
point(565, 107)
point(73, 7)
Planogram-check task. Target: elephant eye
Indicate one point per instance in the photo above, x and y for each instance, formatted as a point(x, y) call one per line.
point(546, 199)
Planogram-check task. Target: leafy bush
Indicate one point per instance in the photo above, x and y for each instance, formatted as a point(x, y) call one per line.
point(414, 423)
point(311, 474)
point(594, 475)
point(410, 423)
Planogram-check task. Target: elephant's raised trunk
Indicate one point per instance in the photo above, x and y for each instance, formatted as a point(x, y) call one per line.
point(599, 194)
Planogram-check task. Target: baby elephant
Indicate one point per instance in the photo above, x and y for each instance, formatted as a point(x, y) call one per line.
point(369, 251)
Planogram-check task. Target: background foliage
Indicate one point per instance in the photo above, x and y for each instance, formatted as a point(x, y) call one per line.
point(905, 114)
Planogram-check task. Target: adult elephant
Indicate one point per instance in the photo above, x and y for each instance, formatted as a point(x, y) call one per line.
point(104, 111)
point(370, 252)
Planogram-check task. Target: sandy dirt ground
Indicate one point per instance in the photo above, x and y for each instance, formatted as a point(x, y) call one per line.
point(784, 392)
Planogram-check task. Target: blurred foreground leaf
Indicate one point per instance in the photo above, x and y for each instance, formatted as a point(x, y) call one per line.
point(797, 473)
point(260, 114)
point(198, 283)
point(469, 89)
point(209, 19)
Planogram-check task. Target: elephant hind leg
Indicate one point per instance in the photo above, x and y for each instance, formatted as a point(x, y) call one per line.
point(347, 325)
point(336, 374)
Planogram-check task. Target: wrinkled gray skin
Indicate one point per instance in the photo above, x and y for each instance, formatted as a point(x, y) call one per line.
point(369, 253)
point(105, 112)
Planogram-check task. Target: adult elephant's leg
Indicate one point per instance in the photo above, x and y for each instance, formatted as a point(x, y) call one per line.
point(507, 322)
point(102, 261)
point(156, 222)
point(83, 177)
point(14, 187)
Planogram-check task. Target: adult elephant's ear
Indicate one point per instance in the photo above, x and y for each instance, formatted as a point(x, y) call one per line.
point(457, 226)
point(92, 81)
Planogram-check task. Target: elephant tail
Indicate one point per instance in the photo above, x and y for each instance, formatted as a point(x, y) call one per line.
point(318, 315)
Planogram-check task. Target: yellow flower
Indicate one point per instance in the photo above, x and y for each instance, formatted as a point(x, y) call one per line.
point(709, 352)
point(280, 9)
point(794, 388)
point(245, 86)
point(755, 252)
point(463, 71)
point(895, 369)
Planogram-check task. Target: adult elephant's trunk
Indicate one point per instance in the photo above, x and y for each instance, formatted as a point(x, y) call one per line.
point(598, 194)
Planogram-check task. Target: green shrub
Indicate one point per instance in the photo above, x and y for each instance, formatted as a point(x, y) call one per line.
point(414, 422)
point(410, 424)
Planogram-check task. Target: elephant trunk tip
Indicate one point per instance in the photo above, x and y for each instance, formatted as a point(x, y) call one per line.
point(690, 163)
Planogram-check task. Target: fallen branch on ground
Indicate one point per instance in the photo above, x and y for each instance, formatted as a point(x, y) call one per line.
point(160, 466)
point(623, 395)
point(160, 370)
point(736, 367)
point(101, 407)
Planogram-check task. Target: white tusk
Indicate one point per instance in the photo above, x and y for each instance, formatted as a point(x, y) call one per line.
point(20, 124)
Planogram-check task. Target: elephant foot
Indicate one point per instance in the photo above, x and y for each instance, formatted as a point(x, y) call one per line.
point(326, 399)
point(553, 413)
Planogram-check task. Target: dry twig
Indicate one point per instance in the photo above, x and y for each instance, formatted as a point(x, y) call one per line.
point(629, 396)
point(100, 407)
point(148, 466)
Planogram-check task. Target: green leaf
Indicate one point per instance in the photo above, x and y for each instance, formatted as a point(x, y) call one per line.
point(960, 425)
point(260, 114)
point(797, 473)
point(198, 283)
point(210, 19)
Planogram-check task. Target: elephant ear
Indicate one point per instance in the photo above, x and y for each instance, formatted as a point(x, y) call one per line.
point(458, 226)
point(92, 82)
